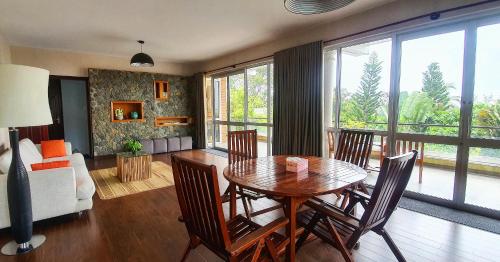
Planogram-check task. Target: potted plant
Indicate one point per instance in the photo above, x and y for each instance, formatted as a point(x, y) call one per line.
point(133, 146)
point(119, 114)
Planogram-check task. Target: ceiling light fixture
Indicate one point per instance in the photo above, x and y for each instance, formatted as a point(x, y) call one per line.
point(141, 59)
point(310, 7)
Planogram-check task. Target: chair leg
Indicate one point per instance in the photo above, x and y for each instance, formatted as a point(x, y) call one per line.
point(191, 245)
point(258, 249)
point(345, 200)
point(363, 187)
point(420, 171)
point(346, 254)
point(302, 239)
point(392, 245)
point(272, 250)
point(245, 206)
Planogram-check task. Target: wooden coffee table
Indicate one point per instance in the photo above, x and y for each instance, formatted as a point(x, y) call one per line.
point(133, 167)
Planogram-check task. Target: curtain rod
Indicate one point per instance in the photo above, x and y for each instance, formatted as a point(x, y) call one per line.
point(433, 16)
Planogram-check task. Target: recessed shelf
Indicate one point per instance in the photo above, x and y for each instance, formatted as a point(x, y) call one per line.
point(128, 107)
point(162, 90)
point(162, 121)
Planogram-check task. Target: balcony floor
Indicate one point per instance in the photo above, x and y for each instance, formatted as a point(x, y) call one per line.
point(482, 190)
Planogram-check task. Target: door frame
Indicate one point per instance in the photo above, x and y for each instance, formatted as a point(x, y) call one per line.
point(89, 110)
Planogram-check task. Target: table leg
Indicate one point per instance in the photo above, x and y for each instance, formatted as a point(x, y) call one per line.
point(232, 200)
point(291, 228)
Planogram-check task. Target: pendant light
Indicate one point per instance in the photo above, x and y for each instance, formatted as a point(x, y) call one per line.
point(141, 59)
point(310, 7)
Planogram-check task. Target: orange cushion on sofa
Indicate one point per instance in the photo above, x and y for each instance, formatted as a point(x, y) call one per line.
point(53, 148)
point(50, 165)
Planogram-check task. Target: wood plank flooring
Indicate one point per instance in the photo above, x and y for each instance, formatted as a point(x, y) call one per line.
point(144, 227)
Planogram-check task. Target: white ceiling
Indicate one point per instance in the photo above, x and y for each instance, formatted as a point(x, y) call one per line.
point(174, 30)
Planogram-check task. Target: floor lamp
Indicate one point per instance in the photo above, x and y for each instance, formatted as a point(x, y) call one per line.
point(23, 103)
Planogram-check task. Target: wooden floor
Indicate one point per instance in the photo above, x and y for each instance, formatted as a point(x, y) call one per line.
point(144, 227)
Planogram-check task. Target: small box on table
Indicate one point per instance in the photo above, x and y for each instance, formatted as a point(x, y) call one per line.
point(296, 164)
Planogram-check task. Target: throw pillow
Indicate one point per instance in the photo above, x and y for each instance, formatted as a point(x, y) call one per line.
point(53, 148)
point(50, 165)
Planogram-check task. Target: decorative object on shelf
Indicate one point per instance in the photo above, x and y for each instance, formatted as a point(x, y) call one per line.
point(310, 7)
point(172, 121)
point(119, 114)
point(23, 102)
point(126, 108)
point(133, 146)
point(134, 115)
point(162, 90)
point(141, 59)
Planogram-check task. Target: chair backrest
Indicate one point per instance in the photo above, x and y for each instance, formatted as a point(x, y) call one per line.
point(391, 183)
point(242, 145)
point(354, 147)
point(200, 202)
point(331, 141)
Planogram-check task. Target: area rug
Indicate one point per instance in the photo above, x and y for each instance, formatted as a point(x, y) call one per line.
point(108, 185)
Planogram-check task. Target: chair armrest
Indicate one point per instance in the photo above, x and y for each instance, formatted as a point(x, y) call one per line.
point(355, 197)
point(252, 238)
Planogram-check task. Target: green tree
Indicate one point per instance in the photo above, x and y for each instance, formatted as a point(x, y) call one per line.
point(489, 115)
point(415, 108)
point(368, 98)
point(435, 87)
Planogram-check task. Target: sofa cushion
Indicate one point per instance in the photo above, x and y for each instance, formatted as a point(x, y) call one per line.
point(53, 148)
point(85, 187)
point(186, 143)
point(160, 145)
point(29, 153)
point(147, 146)
point(50, 165)
point(174, 144)
point(5, 160)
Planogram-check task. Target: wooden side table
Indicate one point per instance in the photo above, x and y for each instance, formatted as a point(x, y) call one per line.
point(133, 167)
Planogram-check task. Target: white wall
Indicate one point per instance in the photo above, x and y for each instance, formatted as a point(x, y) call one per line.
point(75, 114)
point(5, 58)
point(77, 64)
point(379, 16)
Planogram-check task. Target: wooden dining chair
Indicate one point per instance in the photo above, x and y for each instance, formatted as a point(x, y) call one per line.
point(341, 229)
point(242, 145)
point(355, 147)
point(200, 202)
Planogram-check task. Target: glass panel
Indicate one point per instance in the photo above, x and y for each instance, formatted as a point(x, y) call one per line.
point(209, 111)
point(210, 134)
point(220, 97)
point(365, 84)
point(257, 94)
point(431, 84)
point(271, 95)
point(236, 128)
point(483, 178)
point(435, 166)
point(486, 108)
point(237, 97)
point(262, 139)
point(221, 136)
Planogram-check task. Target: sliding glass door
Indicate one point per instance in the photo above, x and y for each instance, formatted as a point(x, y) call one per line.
point(434, 90)
point(241, 100)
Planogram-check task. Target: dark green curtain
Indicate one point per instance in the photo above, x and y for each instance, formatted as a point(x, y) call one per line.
point(199, 110)
point(297, 100)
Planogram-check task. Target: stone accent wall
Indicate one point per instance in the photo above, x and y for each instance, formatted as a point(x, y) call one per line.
point(112, 85)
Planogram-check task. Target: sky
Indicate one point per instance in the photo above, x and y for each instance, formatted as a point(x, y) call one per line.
point(446, 49)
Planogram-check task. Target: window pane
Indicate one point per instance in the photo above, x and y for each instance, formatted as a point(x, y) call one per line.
point(221, 136)
point(262, 139)
point(483, 178)
point(431, 84)
point(237, 97)
point(209, 111)
point(271, 95)
point(257, 94)
point(365, 85)
point(330, 86)
point(486, 109)
point(220, 97)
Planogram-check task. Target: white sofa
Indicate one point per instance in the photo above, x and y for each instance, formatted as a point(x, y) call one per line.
point(54, 192)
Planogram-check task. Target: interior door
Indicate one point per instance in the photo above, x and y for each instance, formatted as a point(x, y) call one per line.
point(56, 130)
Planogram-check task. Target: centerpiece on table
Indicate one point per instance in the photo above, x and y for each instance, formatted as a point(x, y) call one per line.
point(133, 146)
point(296, 164)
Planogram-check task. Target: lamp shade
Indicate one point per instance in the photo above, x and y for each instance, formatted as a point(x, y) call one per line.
point(23, 96)
point(310, 7)
point(142, 59)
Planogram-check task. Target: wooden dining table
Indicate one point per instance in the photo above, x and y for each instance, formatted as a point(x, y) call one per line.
point(268, 175)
